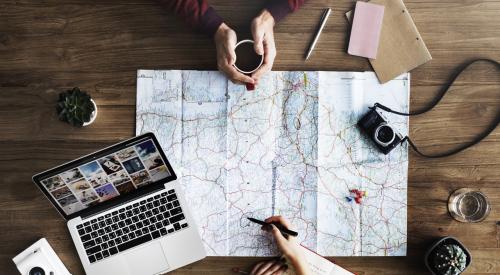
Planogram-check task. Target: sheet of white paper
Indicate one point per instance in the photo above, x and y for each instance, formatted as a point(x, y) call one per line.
point(290, 148)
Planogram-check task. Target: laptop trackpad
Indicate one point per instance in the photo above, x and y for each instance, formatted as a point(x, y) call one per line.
point(147, 260)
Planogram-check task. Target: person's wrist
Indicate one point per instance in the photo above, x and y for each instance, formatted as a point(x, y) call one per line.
point(292, 257)
point(300, 265)
point(222, 30)
point(266, 17)
point(296, 258)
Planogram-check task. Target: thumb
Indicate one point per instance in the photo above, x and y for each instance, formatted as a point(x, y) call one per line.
point(280, 239)
point(258, 38)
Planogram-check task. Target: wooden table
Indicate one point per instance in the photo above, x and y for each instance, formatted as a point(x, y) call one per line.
point(47, 46)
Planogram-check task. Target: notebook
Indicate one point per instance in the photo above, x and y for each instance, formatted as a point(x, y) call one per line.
point(401, 48)
point(366, 27)
point(319, 265)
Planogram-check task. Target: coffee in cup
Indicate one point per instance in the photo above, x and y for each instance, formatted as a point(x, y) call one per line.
point(247, 60)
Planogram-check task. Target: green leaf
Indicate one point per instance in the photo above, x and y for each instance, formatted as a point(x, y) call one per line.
point(75, 107)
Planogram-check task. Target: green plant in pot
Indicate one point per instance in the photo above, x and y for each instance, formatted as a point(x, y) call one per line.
point(450, 259)
point(76, 108)
point(447, 257)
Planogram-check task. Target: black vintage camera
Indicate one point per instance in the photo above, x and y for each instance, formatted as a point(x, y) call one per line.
point(376, 127)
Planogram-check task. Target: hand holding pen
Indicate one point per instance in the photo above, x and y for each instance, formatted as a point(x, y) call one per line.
point(288, 245)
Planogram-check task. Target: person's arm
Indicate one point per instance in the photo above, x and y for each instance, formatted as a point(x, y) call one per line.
point(280, 8)
point(263, 31)
point(196, 13)
point(199, 15)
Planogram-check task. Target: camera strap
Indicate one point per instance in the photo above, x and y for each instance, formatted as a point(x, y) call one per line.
point(436, 100)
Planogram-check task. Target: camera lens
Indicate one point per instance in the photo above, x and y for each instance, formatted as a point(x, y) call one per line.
point(384, 134)
point(37, 271)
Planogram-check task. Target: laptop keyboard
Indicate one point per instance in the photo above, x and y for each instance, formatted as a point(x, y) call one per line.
point(132, 225)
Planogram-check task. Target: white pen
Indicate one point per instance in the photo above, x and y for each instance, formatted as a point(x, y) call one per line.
point(326, 13)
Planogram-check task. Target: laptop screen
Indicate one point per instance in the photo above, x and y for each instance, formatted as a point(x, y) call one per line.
point(107, 177)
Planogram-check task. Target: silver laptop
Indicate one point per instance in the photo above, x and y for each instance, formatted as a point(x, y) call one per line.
point(125, 209)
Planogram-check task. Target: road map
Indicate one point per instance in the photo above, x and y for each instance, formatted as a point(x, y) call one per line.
point(292, 148)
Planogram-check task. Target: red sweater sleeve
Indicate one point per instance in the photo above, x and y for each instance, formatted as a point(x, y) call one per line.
point(197, 13)
point(280, 8)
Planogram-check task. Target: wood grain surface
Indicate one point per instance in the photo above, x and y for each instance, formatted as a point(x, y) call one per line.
point(47, 46)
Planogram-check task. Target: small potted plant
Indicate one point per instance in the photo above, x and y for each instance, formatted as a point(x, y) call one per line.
point(76, 108)
point(447, 256)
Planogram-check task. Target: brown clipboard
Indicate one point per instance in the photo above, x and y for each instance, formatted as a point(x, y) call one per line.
point(401, 48)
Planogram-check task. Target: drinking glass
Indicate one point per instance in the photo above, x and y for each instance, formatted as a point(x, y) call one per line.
point(468, 205)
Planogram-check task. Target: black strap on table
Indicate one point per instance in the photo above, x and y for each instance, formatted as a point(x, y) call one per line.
point(436, 100)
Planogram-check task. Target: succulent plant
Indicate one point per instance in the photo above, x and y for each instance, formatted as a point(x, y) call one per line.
point(75, 107)
point(449, 259)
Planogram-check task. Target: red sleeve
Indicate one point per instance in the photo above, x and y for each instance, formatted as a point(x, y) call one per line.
point(280, 8)
point(197, 13)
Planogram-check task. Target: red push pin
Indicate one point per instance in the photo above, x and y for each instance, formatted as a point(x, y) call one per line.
point(358, 195)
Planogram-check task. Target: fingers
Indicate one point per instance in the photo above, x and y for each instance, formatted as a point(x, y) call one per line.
point(258, 38)
point(256, 268)
point(279, 219)
point(265, 68)
point(280, 239)
point(229, 69)
point(265, 267)
point(236, 77)
point(232, 74)
point(231, 55)
point(269, 56)
point(270, 47)
point(281, 270)
point(272, 269)
point(225, 42)
point(268, 268)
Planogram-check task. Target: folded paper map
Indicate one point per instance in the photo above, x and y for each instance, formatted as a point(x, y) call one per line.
point(289, 148)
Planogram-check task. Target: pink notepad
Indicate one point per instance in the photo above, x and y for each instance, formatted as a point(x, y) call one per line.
point(366, 27)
